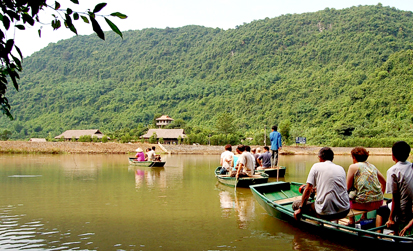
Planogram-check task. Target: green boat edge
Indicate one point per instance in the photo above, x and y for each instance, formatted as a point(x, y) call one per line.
point(273, 172)
point(241, 182)
point(326, 228)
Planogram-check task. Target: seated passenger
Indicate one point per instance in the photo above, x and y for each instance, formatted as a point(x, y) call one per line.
point(151, 154)
point(245, 165)
point(255, 154)
point(264, 159)
point(365, 183)
point(227, 158)
point(400, 184)
point(235, 162)
point(140, 156)
point(332, 200)
point(146, 153)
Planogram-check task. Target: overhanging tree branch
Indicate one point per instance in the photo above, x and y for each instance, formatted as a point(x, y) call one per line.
point(18, 14)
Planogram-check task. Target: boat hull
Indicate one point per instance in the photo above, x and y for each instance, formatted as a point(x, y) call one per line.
point(241, 182)
point(273, 172)
point(273, 198)
point(146, 163)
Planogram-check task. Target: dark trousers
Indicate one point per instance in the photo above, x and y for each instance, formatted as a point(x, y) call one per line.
point(274, 158)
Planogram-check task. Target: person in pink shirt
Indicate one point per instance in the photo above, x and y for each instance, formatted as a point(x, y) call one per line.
point(140, 156)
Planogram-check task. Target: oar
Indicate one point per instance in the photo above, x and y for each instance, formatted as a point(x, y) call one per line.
point(278, 169)
point(236, 182)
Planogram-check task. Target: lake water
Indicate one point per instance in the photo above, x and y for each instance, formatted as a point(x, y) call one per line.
point(100, 202)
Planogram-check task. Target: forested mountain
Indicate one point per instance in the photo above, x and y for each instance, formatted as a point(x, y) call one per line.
point(332, 75)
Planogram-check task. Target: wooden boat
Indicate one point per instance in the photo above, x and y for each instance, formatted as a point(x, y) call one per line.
point(272, 172)
point(133, 161)
point(277, 198)
point(241, 182)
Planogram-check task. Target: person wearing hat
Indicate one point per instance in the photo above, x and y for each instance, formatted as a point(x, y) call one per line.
point(140, 156)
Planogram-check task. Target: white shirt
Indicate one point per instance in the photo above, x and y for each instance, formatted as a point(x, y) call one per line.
point(330, 180)
point(248, 162)
point(151, 155)
point(400, 179)
point(227, 156)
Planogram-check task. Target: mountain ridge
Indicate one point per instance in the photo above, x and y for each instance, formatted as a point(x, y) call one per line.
point(323, 72)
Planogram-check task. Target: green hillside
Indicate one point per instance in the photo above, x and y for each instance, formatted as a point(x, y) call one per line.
point(335, 76)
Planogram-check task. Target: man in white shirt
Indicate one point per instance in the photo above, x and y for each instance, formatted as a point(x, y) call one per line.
point(151, 155)
point(332, 201)
point(227, 159)
point(245, 162)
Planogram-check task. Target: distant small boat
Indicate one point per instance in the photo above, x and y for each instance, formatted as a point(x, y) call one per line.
point(272, 172)
point(242, 181)
point(133, 161)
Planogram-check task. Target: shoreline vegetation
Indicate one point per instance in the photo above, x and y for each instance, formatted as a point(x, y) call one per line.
point(25, 147)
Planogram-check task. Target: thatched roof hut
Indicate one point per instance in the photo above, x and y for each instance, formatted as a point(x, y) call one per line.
point(168, 135)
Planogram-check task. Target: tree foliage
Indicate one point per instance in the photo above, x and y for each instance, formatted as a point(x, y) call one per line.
point(17, 15)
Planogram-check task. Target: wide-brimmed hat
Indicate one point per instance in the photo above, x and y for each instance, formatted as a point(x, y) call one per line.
point(139, 150)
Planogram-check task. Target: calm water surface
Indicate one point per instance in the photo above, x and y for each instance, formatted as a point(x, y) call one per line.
point(100, 202)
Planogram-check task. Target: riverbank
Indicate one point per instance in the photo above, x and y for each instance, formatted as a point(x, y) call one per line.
point(26, 147)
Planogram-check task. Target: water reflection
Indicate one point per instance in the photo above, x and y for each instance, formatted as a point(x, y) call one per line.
point(151, 177)
point(241, 201)
point(94, 202)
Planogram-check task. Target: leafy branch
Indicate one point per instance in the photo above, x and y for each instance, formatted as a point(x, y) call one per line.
point(26, 12)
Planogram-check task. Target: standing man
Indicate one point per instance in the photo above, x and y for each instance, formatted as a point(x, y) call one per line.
point(275, 138)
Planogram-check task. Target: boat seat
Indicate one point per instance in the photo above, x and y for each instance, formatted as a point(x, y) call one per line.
point(288, 200)
point(354, 212)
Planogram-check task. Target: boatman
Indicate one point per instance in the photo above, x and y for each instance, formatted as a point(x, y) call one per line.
point(332, 201)
point(275, 138)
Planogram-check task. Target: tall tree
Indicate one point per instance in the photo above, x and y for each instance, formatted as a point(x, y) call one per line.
point(18, 14)
point(224, 123)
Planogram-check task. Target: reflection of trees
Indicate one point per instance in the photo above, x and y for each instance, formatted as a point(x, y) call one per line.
point(243, 204)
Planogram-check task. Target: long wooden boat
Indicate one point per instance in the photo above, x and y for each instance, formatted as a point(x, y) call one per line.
point(277, 198)
point(242, 181)
point(133, 161)
point(272, 172)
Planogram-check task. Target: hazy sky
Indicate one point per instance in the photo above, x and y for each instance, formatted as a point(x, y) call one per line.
point(142, 14)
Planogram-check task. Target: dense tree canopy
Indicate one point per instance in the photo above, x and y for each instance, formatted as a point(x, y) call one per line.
point(334, 76)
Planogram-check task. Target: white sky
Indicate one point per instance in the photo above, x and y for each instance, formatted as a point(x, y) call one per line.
point(142, 14)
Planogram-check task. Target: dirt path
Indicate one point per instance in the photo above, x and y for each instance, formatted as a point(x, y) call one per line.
point(127, 148)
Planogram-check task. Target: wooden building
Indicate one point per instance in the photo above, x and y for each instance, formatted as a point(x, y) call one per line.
point(70, 134)
point(169, 136)
point(163, 120)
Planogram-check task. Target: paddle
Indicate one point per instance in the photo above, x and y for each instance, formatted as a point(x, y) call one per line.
point(236, 179)
point(278, 168)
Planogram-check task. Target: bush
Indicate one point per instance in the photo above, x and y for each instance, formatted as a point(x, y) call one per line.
point(104, 139)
